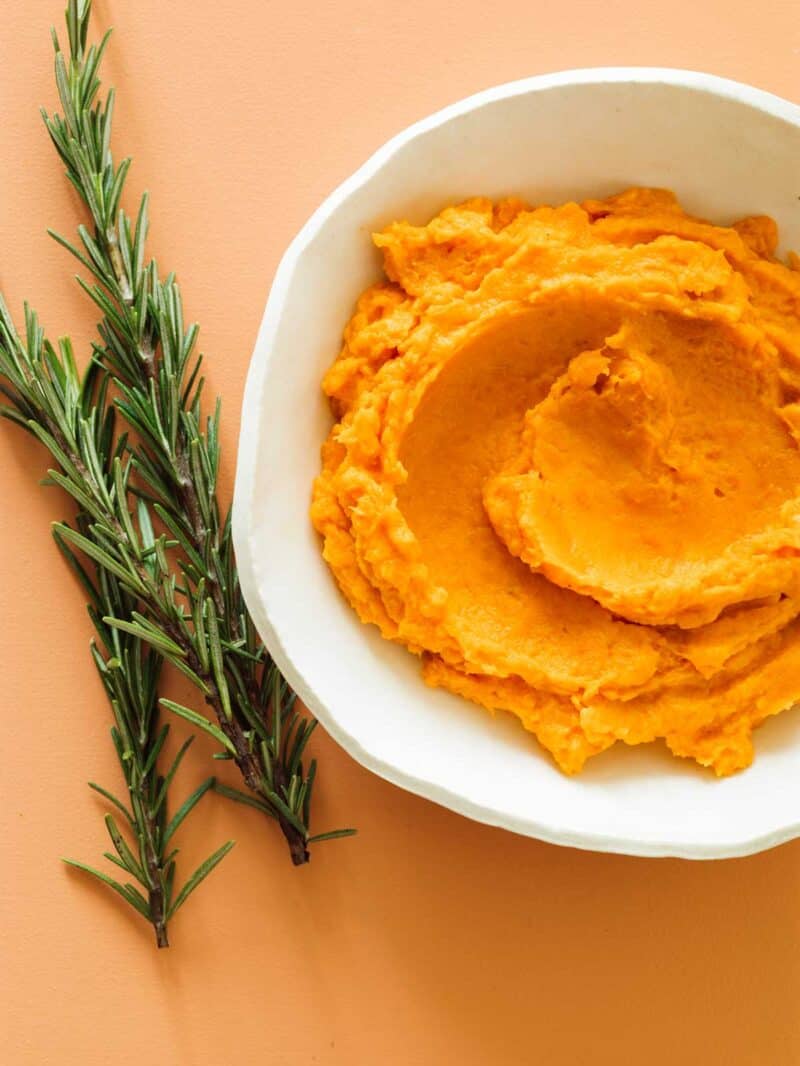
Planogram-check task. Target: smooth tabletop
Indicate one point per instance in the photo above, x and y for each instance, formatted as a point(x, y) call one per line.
point(426, 939)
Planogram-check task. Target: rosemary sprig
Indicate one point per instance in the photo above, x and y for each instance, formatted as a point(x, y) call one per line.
point(192, 609)
point(71, 415)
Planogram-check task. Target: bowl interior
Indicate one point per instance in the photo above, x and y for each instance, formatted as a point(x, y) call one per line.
point(727, 151)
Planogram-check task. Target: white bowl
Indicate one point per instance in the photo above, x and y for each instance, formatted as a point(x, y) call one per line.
point(728, 150)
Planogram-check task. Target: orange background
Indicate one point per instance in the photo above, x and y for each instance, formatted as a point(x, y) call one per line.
point(426, 939)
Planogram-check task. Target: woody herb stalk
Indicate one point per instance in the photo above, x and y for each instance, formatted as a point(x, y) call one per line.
point(194, 614)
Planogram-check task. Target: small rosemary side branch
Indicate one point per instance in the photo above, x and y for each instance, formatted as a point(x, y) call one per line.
point(72, 416)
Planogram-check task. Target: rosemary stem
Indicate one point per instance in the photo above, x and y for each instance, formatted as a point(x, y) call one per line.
point(190, 606)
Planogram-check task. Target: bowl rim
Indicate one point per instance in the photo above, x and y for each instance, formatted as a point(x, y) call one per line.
point(252, 426)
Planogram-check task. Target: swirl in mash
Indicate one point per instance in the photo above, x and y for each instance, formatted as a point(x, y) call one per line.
point(565, 469)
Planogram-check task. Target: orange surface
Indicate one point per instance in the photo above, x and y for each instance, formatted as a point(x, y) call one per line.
point(427, 939)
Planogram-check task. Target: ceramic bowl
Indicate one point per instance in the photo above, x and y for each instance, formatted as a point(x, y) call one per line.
point(728, 150)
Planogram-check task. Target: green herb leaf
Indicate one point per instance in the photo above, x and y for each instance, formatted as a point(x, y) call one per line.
point(246, 798)
point(199, 875)
point(123, 890)
point(201, 722)
point(187, 806)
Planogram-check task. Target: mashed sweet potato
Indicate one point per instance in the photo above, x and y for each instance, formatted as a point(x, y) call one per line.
point(565, 469)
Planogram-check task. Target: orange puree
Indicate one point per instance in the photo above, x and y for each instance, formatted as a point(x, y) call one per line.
point(565, 469)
